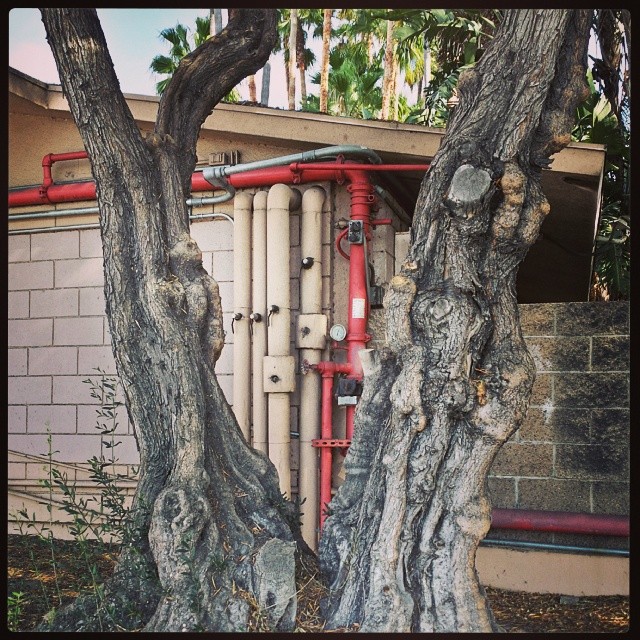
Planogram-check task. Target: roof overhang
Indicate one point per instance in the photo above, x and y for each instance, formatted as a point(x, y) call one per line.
point(558, 266)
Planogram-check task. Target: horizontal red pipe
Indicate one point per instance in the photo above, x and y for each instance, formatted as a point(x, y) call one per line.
point(560, 522)
point(49, 193)
point(70, 192)
point(52, 158)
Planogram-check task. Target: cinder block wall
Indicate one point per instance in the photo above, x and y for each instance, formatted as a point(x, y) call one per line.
point(57, 335)
point(572, 452)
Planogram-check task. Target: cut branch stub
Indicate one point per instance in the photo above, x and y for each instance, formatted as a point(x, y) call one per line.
point(468, 187)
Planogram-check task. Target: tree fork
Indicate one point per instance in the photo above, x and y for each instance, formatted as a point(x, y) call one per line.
point(461, 376)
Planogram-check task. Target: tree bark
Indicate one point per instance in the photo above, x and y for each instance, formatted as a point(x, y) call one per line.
point(208, 512)
point(453, 382)
point(324, 71)
point(394, 88)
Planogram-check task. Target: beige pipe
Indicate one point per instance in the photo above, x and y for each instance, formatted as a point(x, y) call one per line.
point(280, 438)
point(310, 385)
point(280, 201)
point(259, 295)
point(278, 290)
point(242, 308)
point(311, 247)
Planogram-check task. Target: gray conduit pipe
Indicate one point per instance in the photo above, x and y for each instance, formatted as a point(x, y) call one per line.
point(92, 225)
point(216, 174)
point(393, 204)
point(548, 546)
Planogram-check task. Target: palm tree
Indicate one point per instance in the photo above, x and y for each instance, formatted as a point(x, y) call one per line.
point(387, 78)
point(324, 70)
point(293, 37)
point(353, 88)
point(455, 37)
point(300, 60)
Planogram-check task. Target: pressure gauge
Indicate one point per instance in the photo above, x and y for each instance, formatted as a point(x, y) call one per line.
point(338, 332)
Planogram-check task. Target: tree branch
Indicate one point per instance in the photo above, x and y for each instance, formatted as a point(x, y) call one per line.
point(90, 101)
point(207, 74)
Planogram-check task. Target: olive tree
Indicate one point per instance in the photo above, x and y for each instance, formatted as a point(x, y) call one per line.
point(453, 382)
point(210, 521)
point(212, 535)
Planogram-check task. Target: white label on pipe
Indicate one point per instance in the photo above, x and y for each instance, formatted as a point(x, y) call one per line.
point(357, 308)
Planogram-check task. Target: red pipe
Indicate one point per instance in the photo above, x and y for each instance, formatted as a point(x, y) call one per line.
point(326, 457)
point(362, 197)
point(340, 237)
point(328, 370)
point(50, 193)
point(560, 522)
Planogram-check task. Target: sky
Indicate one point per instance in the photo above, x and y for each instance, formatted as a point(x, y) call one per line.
point(133, 39)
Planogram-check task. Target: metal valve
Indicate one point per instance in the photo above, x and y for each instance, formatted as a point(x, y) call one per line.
point(274, 308)
point(236, 316)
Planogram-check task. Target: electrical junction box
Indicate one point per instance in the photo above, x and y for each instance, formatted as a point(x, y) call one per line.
point(278, 374)
point(224, 158)
point(311, 331)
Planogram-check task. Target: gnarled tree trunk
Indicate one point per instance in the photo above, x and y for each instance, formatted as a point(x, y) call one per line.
point(210, 522)
point(454, 380)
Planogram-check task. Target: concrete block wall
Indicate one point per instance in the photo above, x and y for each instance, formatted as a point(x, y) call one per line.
point(570, 454)
point(572, 451)
point(57, 336)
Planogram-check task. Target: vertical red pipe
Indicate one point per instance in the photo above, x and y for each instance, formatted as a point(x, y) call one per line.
point(362, 198)
point(325, 452)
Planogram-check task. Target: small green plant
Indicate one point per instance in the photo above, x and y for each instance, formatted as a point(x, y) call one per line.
point(15, 602)
point(100, 522)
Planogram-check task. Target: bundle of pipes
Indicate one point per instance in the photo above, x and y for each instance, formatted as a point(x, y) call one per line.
point(262, 311)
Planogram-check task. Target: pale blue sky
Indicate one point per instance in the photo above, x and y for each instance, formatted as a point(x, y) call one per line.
point(132, 36)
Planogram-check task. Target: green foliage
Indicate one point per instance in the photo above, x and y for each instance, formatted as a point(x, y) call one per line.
point(455, 38)
point(596, 123)
point(15, 602)
point(353, 90)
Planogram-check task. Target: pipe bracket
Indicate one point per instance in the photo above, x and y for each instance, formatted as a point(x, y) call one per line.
point(322, 443)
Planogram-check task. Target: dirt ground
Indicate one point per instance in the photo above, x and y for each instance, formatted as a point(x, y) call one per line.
point(30, 571)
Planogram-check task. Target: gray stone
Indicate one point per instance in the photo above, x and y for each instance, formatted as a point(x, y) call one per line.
point(274, 583)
